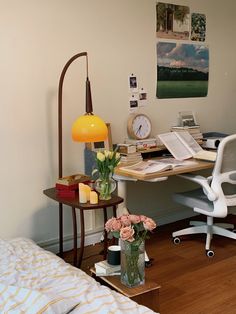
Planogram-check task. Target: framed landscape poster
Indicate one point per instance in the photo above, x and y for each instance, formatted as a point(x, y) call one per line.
point(182, 70)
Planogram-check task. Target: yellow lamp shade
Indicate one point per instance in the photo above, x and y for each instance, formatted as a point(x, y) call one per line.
point(89, 128)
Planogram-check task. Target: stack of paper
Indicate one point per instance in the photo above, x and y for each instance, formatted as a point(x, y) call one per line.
point(104, 269)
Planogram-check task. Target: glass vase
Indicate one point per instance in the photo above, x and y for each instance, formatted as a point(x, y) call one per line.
point(132, 263)
point(105, 186)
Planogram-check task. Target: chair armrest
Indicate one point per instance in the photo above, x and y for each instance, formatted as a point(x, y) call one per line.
point(209, 179)
point(204, 182)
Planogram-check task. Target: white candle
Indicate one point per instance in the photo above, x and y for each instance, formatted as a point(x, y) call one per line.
point(87, 190)
point(93, 197)
point(82, 193)
point(81, 186)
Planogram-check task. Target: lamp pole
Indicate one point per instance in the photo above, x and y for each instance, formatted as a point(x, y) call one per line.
point(87, 128)
point(60, 159)
point(89, 108)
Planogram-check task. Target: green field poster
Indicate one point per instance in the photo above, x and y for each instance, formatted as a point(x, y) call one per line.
point(182, 70)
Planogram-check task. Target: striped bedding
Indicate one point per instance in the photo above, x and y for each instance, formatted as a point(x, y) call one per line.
point(33, 280)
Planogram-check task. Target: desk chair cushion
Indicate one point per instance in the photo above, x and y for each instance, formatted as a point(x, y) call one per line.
point(195, 198)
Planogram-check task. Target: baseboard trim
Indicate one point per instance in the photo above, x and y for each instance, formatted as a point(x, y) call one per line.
point(175, 216)
point(52, 245)
point(94, 236)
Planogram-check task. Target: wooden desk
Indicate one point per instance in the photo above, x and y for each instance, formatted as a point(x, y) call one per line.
point(199, 165)
point(147, 294)
point(122, 176)
point(74, 203)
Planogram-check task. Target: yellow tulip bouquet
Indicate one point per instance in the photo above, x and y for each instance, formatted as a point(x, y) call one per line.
point(105, 161)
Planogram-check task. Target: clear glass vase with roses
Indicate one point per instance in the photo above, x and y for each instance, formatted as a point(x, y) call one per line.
point(132, 231)
point(106, 161)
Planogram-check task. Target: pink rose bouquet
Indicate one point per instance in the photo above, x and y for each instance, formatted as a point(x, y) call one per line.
point(130, 227)
point(132, 230)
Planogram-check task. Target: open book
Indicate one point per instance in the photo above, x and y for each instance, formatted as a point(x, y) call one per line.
point(151, 166)
point(183, 146)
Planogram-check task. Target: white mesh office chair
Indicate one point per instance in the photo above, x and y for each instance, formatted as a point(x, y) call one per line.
point(212, 199)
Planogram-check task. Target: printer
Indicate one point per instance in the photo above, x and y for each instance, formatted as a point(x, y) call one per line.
point(211, 140)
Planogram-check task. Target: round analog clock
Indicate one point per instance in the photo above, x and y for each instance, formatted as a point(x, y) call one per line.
point(139, 126)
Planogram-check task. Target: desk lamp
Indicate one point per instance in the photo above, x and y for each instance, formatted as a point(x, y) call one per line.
point(87, 128)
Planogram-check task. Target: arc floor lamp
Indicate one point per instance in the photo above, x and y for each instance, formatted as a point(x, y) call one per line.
point(87, 128)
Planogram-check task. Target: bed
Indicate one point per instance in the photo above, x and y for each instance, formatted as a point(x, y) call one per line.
point(33, 280)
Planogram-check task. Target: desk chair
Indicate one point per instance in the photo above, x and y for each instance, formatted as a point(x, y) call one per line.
point(212, 199)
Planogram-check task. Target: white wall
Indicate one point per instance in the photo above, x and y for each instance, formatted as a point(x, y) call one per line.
point(36, 39)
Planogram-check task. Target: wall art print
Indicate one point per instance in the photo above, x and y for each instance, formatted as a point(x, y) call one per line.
point(182, 70)
point(198, 27)
point(172, 21)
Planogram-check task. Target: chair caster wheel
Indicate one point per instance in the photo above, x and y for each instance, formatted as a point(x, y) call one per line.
point(210, 253)
point(176, 240)
point(148, 263)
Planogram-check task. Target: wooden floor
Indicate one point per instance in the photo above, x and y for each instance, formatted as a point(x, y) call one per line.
point(191, 283)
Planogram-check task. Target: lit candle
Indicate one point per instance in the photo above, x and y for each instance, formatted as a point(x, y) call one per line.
point(82, 193)
point(93, 197)
point(87, 190)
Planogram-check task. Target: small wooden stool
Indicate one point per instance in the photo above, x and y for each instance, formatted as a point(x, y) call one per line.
point(147, 294)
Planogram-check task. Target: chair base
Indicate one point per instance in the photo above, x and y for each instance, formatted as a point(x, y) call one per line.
point(219, 224)
point(209, 229)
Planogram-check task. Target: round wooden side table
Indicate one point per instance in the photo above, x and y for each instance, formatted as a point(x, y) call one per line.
point(74, 203)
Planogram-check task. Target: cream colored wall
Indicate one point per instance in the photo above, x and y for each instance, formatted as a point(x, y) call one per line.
point(36, 39)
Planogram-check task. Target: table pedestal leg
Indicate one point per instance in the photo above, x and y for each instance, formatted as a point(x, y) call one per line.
point(114, 210)
point(61, 230)
point(81, 251)
point(74, 236)
point(105, 233)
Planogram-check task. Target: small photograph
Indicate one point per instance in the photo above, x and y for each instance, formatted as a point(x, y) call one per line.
point(142, 98)
point(133, 102)
point(142, 95)
point(188, 122)
point(187, 118)
point(198, 27)
point(172, 21)
point(133, 83)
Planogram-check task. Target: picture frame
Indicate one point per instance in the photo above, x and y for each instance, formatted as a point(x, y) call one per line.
point(187, 119)
point(107, 144)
